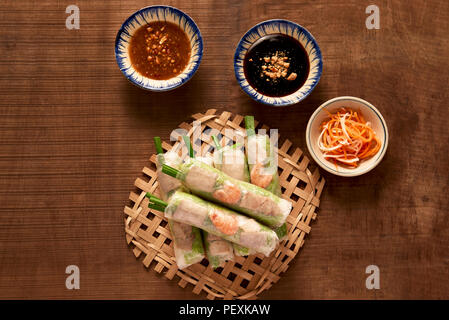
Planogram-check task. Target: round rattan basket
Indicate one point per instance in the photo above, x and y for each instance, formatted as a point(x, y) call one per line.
point(148, 234)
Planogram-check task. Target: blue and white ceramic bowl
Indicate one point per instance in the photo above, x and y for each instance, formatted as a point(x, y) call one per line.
point(275, 27)
point(143, 17)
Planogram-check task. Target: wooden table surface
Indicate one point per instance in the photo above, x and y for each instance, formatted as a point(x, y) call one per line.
point(74, 135)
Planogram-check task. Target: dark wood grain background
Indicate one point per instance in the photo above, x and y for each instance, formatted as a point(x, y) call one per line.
point(74, 134)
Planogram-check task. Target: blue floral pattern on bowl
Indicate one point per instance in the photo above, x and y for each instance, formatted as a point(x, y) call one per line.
point(143, 17)
point(297, 32)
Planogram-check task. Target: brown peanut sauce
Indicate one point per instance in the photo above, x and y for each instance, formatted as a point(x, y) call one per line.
point(159, 50)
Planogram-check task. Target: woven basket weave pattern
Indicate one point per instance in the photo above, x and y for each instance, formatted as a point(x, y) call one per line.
point(148, 234)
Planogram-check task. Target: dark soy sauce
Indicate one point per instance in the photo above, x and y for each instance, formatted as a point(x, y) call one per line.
point(268, 46)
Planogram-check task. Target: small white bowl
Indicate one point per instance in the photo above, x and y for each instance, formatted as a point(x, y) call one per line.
point(369, 112)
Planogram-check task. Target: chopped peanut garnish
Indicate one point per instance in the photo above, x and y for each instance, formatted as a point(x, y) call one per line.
point(277, 67)
point(292, 76)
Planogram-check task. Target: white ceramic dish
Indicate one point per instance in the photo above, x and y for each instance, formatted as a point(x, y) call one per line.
point(370, 113)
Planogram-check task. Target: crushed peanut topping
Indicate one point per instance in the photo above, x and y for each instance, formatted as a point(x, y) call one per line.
point(276, 67)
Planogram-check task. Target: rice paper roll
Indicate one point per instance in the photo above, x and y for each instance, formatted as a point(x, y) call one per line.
point(218, 250)
point(167, 184)
point(188, 245)
point(222, 222)
point(187, 240)
point(261, 164)
point(212, 184)
point(261, 159)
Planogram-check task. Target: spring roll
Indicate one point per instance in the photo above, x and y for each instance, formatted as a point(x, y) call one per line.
point(212, 184)
point(261, 159)
point(187, 240)
point(261, 156)
point(218, 250)
point(167, 184)
point(222, 222)
point(188, 245)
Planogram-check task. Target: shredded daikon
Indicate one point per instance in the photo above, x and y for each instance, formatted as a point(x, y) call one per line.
point(347, 138)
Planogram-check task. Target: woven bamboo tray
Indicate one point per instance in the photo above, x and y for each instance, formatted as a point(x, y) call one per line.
point(147, 231)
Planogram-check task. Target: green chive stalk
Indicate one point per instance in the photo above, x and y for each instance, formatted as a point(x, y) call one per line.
point(158, 144)
point(170, 171)
point(189, 146)
point(156, 203)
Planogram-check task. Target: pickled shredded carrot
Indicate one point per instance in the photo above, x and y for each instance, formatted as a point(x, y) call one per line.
point(346, 138)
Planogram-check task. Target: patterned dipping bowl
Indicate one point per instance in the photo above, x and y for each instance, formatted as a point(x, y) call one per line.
point(279, 26)
point(143, 17)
